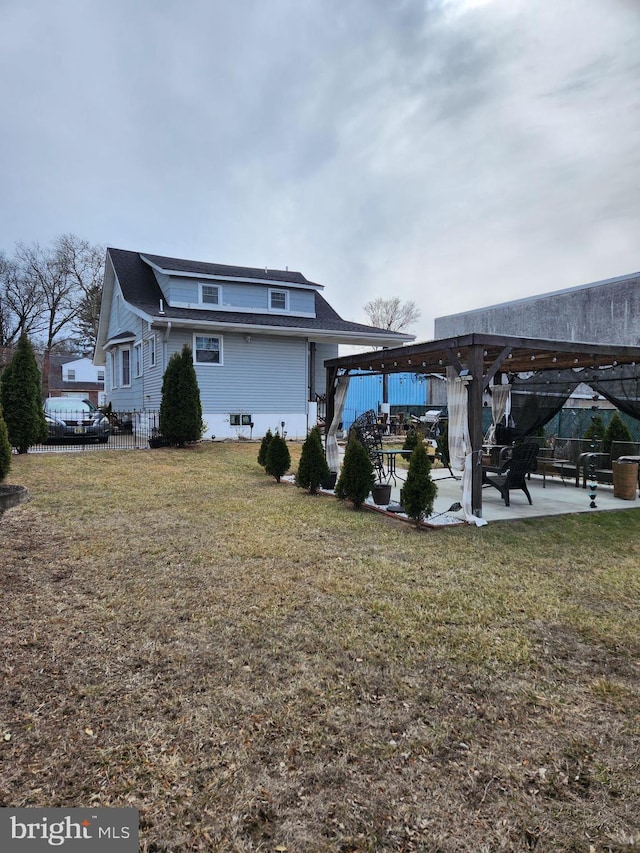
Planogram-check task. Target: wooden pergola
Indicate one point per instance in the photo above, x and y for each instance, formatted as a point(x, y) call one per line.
point(484, 357)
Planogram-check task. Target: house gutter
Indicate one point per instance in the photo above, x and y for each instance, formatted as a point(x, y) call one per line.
point(328, 335)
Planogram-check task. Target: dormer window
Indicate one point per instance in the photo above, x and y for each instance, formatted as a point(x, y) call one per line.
point(210, 294)
point(278, 300)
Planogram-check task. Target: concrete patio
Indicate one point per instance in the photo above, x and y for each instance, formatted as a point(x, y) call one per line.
point(555, 498)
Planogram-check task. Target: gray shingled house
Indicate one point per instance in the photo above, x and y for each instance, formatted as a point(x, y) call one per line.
point(259, 339)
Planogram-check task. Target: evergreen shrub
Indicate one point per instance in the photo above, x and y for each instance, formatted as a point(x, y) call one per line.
point(313, 469)
point(21, 399)
point(419, 490)
point(356, 477)
point(616, 430)
point(264, 446)
point(410, 441)
point(278, 458)
point(5, 449)
point(595, 430)
point(180, 419)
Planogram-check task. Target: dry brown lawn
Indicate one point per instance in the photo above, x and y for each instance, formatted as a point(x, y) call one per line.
point(256, 669)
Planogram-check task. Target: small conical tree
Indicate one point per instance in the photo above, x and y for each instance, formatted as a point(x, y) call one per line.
point(264, 446)
point(5, 449)
point(180, 417)
point(313, 469)
point(356, 477)
point(595, 430)
point(410, 441)
point(616, 430)
point(278, 458)
point(21, 399)
point(419, 489)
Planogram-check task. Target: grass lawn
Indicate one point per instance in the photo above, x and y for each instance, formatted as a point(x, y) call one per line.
point(256, 669)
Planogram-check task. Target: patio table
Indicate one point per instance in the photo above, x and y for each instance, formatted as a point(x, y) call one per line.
point(389, 463)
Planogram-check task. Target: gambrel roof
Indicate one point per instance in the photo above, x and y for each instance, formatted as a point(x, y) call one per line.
point(135, 273)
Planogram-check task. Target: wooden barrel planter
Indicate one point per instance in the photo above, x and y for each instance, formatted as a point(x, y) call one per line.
point(625, 480)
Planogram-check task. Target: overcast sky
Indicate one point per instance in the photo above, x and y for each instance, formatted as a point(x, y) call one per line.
point(458, 153)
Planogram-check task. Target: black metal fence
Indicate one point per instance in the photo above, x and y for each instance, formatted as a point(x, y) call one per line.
point(121, 431)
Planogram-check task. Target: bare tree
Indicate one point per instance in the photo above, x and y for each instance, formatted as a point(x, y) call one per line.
point(19, 303)
point(392, 314)
point(85, 266)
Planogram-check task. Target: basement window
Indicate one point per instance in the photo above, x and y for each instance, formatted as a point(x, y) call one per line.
point(240, 420)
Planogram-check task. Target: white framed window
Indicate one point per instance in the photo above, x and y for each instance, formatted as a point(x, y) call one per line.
point(71, 376)
point(101, 376)
point(137, 360)
point(151, 344)
point(113, 373)
point(207, 349)
point(279, 300)
point(125, 367)
point(210, 294)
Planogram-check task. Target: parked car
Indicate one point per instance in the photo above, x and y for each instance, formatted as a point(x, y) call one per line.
point(68, 418)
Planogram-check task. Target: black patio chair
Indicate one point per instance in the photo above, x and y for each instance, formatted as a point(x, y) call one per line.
point(513, 474)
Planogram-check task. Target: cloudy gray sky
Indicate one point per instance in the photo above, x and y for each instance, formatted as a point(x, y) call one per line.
point(454, 152)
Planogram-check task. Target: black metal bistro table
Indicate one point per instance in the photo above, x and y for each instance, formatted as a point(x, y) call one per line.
point(389, 463)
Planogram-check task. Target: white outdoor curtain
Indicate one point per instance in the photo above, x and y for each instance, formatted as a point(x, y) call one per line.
point(460, 454)
point(499, 399)
point(331, 444)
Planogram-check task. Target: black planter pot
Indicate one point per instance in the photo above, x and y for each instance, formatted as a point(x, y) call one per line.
point(381, 493)
point(330, 482)
point(158, 441)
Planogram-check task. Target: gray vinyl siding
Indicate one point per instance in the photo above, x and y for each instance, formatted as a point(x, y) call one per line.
point(130, 398)
point(267, 374)
point(234, 295)
point(323, 352)
point(121, 318)
point(152, 377)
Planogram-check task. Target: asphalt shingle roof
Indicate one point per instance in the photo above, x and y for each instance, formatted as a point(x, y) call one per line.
point(204, 268)
point(141, 289)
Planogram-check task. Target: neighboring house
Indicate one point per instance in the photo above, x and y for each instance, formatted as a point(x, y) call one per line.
point(70, 376)
point(259, 339)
